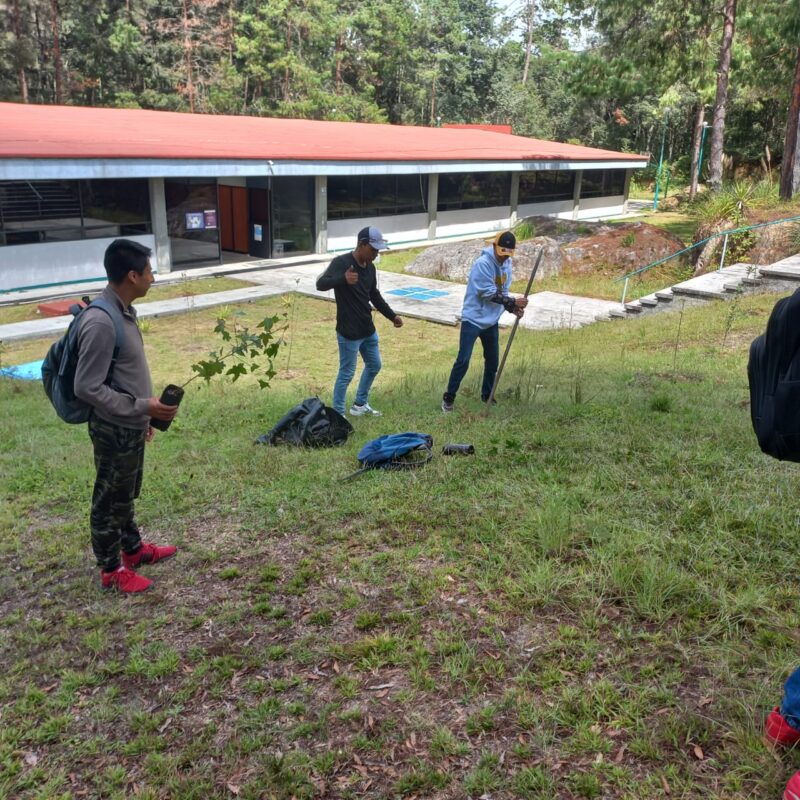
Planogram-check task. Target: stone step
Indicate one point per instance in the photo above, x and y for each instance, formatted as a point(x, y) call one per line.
point(665, 295)
point(732, 288)
point(615, 313)
point(788, 269)
point(754, 281)
point(649, 300)
point(635, 307)
point(712, 285)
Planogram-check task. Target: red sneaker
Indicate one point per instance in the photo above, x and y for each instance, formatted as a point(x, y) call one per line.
point(125, 580)
point(778, 731)
point(792, 791)
point(148, 553)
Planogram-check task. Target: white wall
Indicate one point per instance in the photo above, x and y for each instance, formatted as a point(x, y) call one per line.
point(555, 208)
point(398, 229)
point(56, 262)
point(473, 220)
point(598, 207)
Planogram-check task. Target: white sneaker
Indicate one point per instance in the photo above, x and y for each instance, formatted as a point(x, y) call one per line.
point(360, 411)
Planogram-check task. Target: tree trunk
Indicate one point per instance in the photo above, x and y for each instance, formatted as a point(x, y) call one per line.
point(433, 100)
point(187, 54)
point(721, 100)
point(22, 79)
point(698, 135)
point(529, 41)
point(790, 160)
point(286, 75)
point(58, 66)
point(338, 50)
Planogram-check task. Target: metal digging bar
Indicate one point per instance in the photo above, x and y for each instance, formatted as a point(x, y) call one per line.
point(513, 332)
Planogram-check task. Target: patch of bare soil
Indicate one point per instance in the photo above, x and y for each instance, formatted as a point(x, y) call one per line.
point(619, 249)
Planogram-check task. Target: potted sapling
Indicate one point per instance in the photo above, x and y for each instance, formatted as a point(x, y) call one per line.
point(243, 352)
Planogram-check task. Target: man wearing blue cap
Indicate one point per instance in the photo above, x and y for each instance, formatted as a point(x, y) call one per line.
point(355, 285)
point(485, 301)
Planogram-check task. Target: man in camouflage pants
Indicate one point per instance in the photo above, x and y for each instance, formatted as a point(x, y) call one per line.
point(122, 407)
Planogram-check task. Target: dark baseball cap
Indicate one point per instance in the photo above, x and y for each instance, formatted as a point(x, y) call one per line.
point(374, 237)
point(505, 243)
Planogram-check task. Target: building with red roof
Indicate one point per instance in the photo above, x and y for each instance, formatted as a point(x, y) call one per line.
point(194, 186)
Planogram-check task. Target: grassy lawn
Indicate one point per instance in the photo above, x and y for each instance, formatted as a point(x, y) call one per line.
point(678, 224)
point(600, 603)
point(398, 260)
point(166, 291)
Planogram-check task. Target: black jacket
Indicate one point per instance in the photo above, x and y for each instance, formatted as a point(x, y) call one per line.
point(353, 311)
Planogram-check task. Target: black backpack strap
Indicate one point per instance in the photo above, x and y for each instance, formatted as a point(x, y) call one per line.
point(119, 330)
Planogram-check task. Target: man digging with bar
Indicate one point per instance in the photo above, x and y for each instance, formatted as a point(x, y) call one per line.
point(484, 302)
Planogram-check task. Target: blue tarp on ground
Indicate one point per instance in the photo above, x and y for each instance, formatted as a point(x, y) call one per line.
point(32, 371)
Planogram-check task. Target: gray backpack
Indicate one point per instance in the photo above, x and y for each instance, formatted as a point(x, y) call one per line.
point(61, 361)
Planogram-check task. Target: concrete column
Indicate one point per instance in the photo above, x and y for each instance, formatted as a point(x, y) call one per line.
point(576, 195)
point(321, 212)
point(628, 175)
point(433, 202)
point(158, 216)
point(514, 203)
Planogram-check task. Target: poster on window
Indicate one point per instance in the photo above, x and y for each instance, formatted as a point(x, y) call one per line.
point(210, 218)
point(258, 233)
point(195, 221)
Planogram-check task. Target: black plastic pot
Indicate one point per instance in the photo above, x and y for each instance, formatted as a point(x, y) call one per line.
point(458, 449)
point(171, 396)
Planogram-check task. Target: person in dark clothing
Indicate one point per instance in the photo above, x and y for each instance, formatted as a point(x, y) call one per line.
point(354, 282)
point(119, 425)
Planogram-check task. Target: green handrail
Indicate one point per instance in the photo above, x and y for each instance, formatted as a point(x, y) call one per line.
point(725, 234)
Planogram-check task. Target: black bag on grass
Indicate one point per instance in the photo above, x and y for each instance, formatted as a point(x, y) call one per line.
point(773, 371)
point(309, 424)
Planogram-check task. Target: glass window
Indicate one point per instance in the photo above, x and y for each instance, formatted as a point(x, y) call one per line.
point(473, 190)
point(351, 197)
point(119, 204)
point(603, 183)
point(44, 211)
point(292, 216)
point(344, 197)
point(540, 187)
point(192, 219)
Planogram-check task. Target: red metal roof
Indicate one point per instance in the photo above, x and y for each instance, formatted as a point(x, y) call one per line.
point(38, 131)
point(480, 126)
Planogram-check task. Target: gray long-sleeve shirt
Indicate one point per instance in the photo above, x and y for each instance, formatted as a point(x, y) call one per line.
point(123, 402)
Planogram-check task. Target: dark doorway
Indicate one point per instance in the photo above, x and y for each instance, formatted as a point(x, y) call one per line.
point(260, 240)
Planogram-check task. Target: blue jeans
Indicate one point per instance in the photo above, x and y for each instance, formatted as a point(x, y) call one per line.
point(490, 339)
point(790, 707)
point(348, 355)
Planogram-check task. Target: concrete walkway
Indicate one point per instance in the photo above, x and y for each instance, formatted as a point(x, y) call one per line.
point(408, 295)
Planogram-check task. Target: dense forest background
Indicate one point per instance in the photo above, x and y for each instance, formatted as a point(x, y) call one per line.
point(616, 73)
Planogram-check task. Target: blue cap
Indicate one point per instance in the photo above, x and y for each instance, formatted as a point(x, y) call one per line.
point(373, 237)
